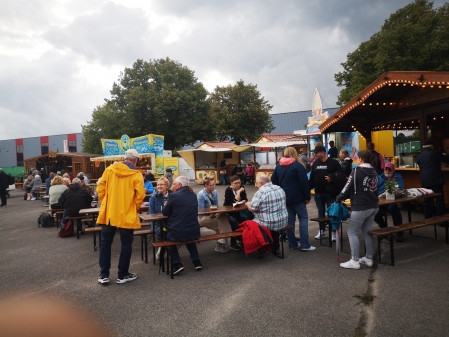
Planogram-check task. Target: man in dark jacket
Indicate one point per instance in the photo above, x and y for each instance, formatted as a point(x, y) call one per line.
point(345, 162)
point(429, 162)
point(3, 187)
point(182, 211)
point(74, 198)
point(319, 180)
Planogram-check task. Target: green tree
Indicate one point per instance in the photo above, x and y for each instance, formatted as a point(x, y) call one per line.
point(413, 38)
point(161, 97)
point(239, 113)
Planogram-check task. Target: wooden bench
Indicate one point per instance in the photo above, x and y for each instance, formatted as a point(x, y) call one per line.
point(388, 232)
point(170, 245)
point(325, 222)
point(143, 233)
point(77, 222)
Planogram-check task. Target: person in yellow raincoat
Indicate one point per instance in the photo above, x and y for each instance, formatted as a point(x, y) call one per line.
point(121, 191)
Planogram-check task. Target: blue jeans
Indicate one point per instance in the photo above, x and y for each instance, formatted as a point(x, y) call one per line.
point(223, 178)
point(361, 220)
point(126, 238)
point(191, 247)
point(299, 210)
point(323, 200)
point(427, 206)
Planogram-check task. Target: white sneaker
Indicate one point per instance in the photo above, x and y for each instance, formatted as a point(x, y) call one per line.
point(364, 260)
point(220, 249)
point(351, 264)
point(308, 249)
point(222, 241)
point(334, 236)
point(322, 234)
point(33, 199)
point(158, 254)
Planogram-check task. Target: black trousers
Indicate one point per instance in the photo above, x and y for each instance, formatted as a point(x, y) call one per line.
point(3, 196)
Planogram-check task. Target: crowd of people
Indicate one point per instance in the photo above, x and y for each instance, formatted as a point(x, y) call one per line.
point(276, 204)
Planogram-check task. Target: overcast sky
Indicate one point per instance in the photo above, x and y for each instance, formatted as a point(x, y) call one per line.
point(59, 58)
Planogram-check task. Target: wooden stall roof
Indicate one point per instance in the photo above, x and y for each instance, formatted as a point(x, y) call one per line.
point(118, 157)
point(63, 154)
point(215, 145)
point(392, 102)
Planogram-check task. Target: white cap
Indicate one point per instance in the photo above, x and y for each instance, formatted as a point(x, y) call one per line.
point(131, 154)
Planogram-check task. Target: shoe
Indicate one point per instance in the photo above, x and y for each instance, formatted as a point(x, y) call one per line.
point(322, 234)
point(298, 239)
point(351, 264)
point(103, 279)
point(220, 249)
point(297, 247)
point(178, 267)
point(235, 247)
point(222, 241)
point(366, 261)
point(311, 248)
point(33, 199)
point(158, 254)
point(334, 236)
point(128, 278)
point(197, 265)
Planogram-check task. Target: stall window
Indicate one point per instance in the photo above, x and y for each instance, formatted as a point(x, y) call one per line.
point(44, 148)
point(19, 151)
point(72, 145)
point(78, 167)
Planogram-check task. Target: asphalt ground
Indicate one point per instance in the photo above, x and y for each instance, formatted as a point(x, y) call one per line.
point(305, 294)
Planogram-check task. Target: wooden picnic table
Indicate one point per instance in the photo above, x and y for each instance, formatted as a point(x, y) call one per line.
point(222, 209)
point(96, 210)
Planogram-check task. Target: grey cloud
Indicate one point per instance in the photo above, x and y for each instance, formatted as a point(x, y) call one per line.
point(113, 35)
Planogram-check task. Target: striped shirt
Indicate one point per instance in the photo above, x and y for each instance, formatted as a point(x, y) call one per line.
point(270, 207)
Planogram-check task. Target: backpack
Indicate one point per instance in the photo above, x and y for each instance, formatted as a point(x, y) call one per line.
point(66, 231)
point(45, 220)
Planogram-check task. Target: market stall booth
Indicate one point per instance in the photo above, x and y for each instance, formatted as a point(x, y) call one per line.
point(150, 148)
point(205, 159)
point(64, 162)
point(400, 100)
point(268, 149)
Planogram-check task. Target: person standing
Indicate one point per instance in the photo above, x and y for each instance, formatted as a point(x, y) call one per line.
point(345, 162)
point(120, 192)
point(321, 169)
point(223, 169)
point(182, 211)
point(429, 162)
point(291, 176)
point(362, 189)
point(380, 164)
point(332, 152)
point(3, 187)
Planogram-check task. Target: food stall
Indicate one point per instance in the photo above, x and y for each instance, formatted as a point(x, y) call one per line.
point(268, 149)
point(400, 100)
point(64, 162)
point(150, 148)
point(205, 159)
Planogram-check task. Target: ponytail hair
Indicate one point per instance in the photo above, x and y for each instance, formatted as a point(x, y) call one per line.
point(368, 157)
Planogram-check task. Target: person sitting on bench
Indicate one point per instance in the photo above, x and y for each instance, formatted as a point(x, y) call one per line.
point(73, 199)
point(182, 211)
point(387, 175)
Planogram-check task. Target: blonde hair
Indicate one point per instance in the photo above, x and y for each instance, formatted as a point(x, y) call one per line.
point(290, 152)
point(165, 181)
point(57, 180)
point(66, 180)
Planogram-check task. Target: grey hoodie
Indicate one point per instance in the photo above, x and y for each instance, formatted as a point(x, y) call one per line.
point(361, 188)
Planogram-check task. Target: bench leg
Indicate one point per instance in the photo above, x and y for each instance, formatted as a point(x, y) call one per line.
point(435, 229)
point(154, 249)
point(379, 251)
point(330, 235)
point(392, 249)
point(447, 232)
point(95, 241)
point(146, 247)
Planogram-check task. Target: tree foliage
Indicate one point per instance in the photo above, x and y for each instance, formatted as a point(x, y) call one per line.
point(160, 97)
point(238, 113)
point(415, 37)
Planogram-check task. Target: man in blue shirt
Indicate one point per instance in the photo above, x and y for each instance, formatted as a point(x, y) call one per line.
point(332, 152)
point(218, 222)
point(389, 174)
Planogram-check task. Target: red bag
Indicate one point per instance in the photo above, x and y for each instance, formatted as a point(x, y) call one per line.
point(67, 231)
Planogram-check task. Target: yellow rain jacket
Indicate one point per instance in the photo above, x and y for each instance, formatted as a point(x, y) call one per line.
point(121, 193)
